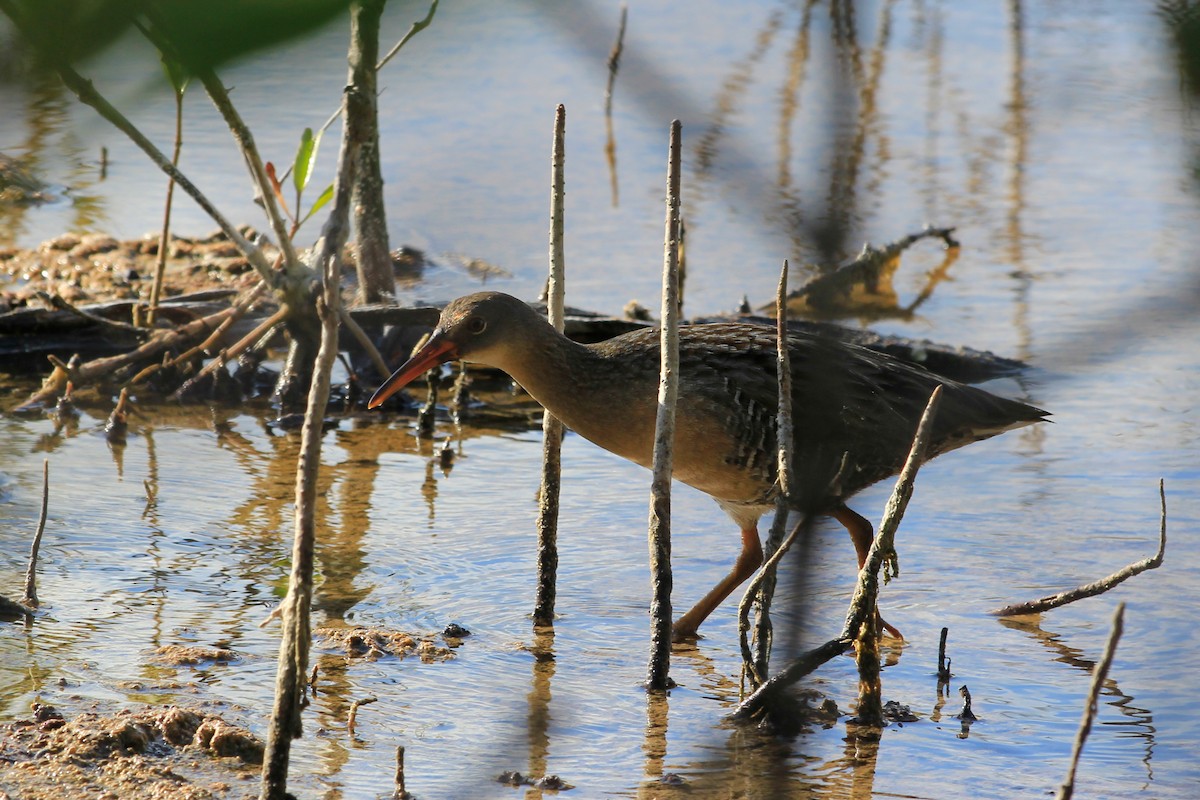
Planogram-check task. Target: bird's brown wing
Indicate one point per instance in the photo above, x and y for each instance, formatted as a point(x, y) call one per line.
point(855, 411)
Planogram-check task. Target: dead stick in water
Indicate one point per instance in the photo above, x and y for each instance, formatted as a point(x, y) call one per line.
point(353, 718)
point(862, 621)
point(1099, 675)
point(31, 598)
point(400, 792)
point(1102, 585)
point(763, 586)
point(943, 669)
point(659, 532)
point(552, 428)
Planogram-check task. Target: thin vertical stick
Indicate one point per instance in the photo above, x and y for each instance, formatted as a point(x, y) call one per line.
point(766, 591)
point(1099, 675)
point(164, 239)
point(664, 435)
point(296, 638)
point(552, 429)
point(31, 598)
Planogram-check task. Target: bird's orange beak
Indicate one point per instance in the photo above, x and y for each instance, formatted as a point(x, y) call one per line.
point(434, 352)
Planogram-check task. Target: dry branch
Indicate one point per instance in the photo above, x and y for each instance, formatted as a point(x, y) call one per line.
point(31, 598)
point(99, 368)
point(552, 428)
point(1096, 587)
point(297, 631)
point(659, 533)
point(763, 586)
point(863, 602)
point(88, 95)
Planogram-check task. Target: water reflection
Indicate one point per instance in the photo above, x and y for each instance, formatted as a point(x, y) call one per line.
point(537, 725)
point(1140, 723)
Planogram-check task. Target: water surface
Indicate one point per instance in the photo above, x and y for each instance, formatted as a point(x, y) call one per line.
point(1055, 137)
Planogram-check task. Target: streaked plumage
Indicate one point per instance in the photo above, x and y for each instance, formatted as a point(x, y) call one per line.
point(854, 410)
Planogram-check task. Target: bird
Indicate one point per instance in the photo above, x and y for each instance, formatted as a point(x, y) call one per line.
point(855, 411)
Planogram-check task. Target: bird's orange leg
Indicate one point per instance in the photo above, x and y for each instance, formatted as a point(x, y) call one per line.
point(862, 534)
point(749, 560)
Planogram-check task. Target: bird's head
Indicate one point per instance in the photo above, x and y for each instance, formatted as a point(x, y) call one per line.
point(471, 328)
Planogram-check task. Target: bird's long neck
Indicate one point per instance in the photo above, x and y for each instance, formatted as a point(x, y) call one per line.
point(604, 396)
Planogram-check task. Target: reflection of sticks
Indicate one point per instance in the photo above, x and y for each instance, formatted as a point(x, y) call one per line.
point(614, 61)
point(610, 141)
point(552, 428)
point(863, 602)
point(31, 598)
point(659, 533)
point(1089, 712)
point(1100, 586)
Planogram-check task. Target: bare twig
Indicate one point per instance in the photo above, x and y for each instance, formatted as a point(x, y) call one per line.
point(552, 428)
point(230, 353)
point(297, 632)
point(364, 342)
point(353, 717)
point(159, 341)
point(863, 619)
point(863, 602)
point(245, 139)
point(755, 669)
point(57, 302)
point(238, 310)
point(88, 95)
point(413, 30)
point(659, 533)
point(763, 585)
point(1099, 675)
point(164, 239)
point(883, 546)
point(943, 669)
point(1102, 585)
point(400, 793)
point(31, 598)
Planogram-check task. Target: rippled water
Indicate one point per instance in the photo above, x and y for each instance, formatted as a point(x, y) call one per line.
point(1054, 136)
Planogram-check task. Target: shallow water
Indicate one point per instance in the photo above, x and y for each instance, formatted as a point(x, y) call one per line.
point(1059, 146)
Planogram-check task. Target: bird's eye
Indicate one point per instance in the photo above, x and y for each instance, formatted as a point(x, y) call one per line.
point(476, 325)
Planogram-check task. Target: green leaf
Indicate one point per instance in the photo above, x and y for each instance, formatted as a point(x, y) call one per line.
point(325, 197)
point(306, 158)
point(177, 74)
